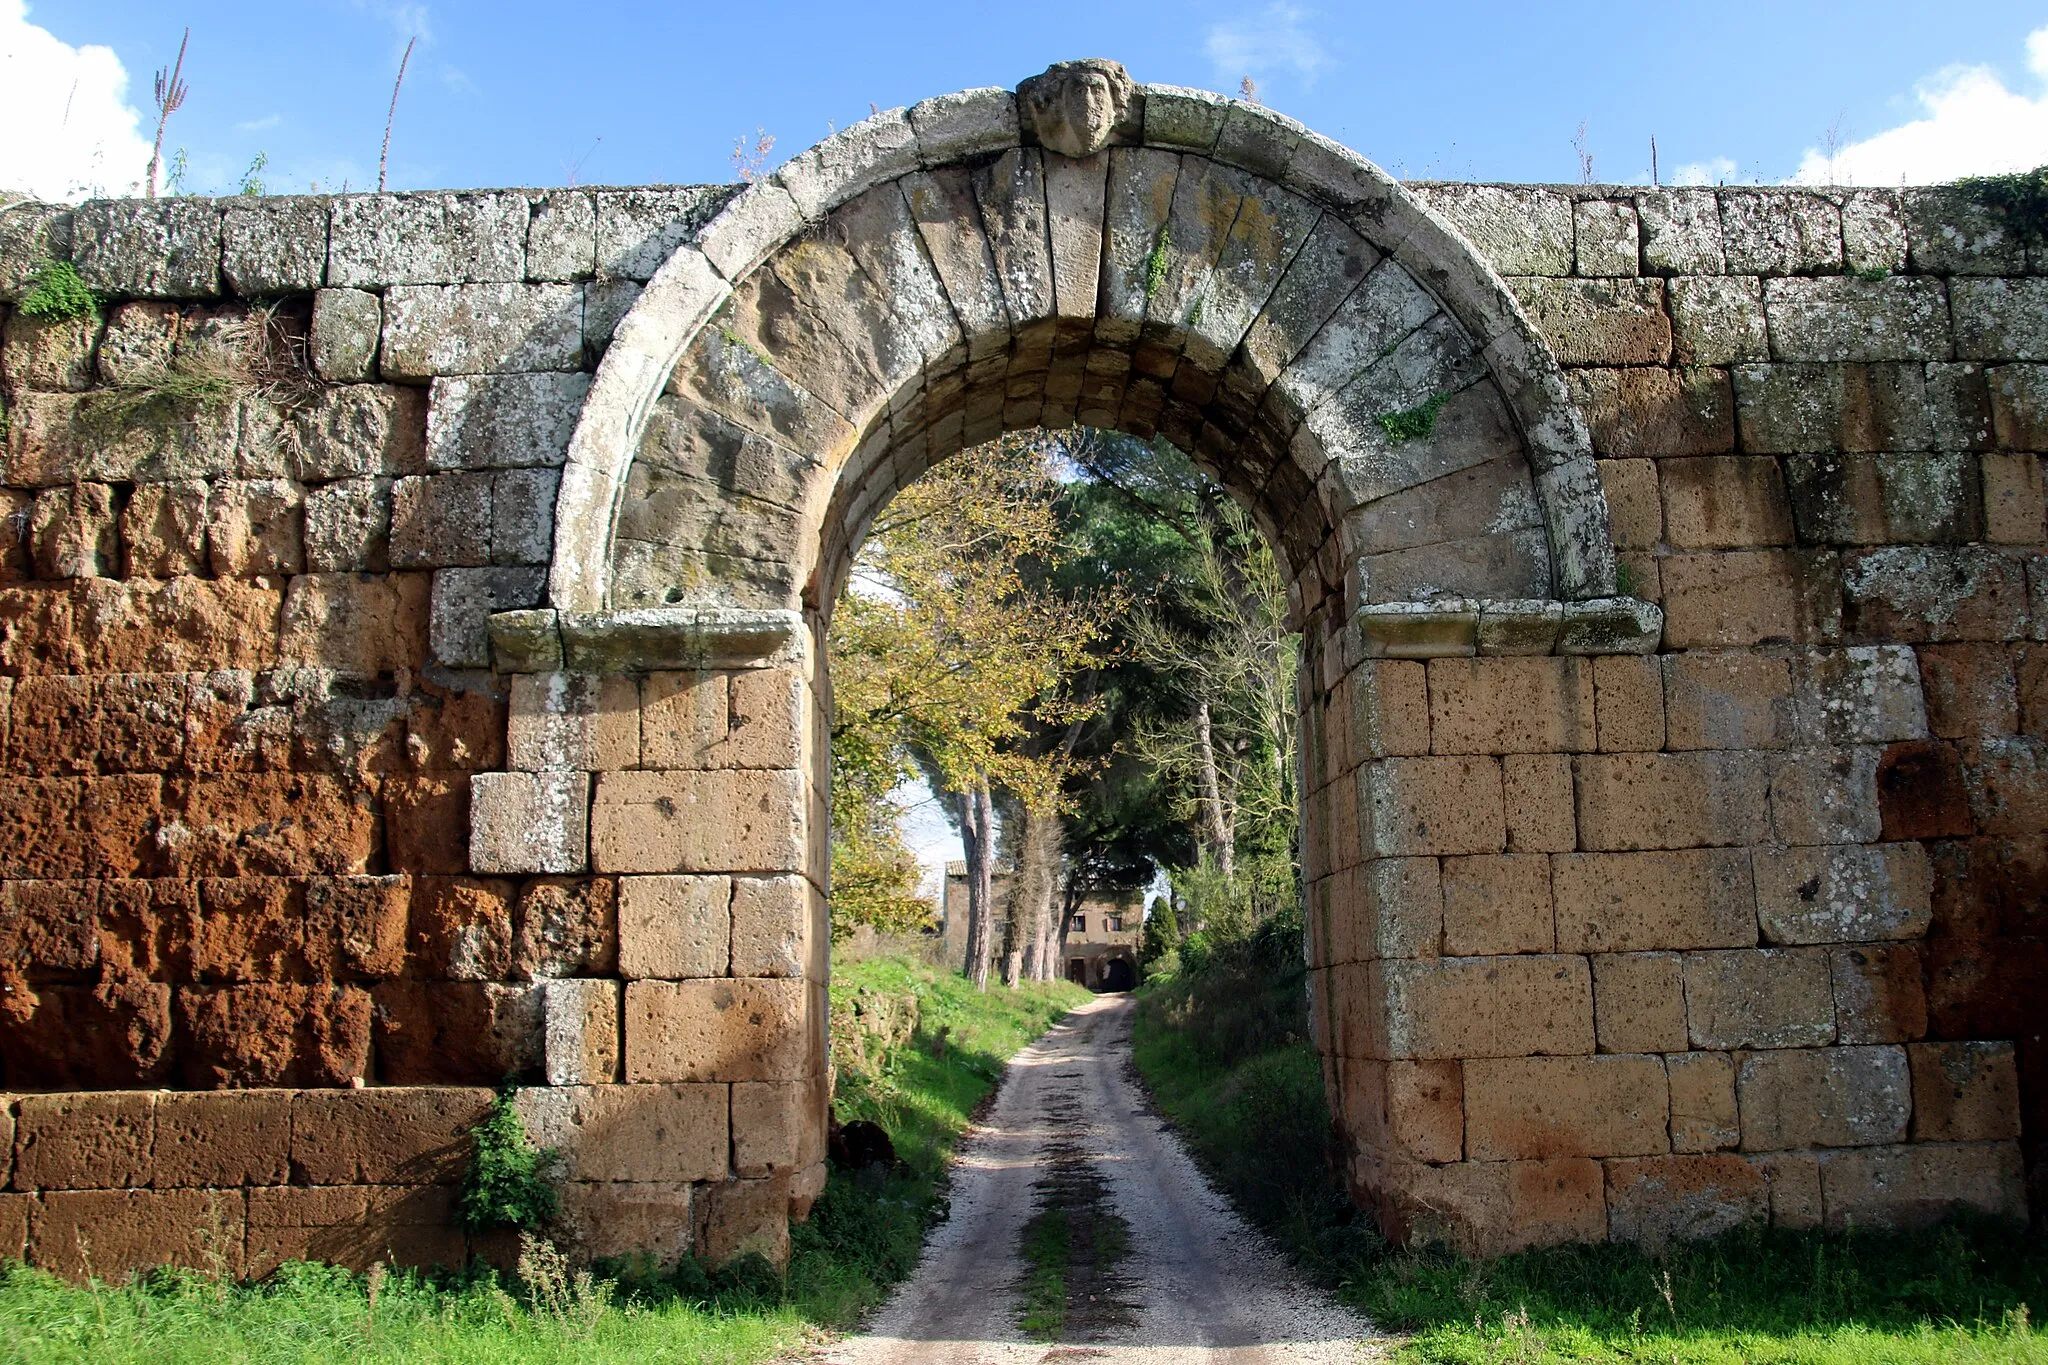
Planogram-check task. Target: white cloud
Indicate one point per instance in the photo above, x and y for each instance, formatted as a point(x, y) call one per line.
point(258, 125)
point(1276, 37)
point(1714, 170)
point(87, 139)
point(1971, 125)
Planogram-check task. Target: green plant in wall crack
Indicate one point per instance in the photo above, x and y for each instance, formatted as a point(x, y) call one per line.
point(56, 293)
point(503, 1187)
point(2020, 198)
point(1156, 263)
point(1414, 424)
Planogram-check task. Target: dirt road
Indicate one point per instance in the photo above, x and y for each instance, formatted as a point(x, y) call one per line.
point(1147, 1262)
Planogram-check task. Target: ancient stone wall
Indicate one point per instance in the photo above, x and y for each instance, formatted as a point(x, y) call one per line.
point(362, 757)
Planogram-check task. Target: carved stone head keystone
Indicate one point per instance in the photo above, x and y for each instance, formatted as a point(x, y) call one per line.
point(1078, 108)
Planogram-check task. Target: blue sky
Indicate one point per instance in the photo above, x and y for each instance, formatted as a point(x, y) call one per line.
point(518, 93)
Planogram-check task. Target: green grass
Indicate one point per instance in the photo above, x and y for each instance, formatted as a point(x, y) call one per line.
point(1225, 1055)
point(1042, 1301)
point(863, 1236)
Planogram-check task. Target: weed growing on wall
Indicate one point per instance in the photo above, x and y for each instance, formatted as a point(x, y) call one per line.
point(2020, 198)
point(1155, 264)
point(503, 1187)
point(57, 294)
point(1416, 423)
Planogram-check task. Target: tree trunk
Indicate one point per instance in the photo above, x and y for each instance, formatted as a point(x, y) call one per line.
point(977, 837)
point(1038, 855)
point(1215, 824)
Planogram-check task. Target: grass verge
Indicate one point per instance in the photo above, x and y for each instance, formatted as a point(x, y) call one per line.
point(1224, 1051)
point(862, 1237)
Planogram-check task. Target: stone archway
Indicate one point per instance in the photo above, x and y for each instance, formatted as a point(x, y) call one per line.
point(1149, 259)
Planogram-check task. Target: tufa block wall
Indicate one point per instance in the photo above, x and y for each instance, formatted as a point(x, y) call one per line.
point(1634, 945)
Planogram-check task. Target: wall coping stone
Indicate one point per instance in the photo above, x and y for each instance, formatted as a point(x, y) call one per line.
point(647, 639)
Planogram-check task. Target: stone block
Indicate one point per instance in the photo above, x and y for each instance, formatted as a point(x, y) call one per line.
point(1424, 806)
point(1426, 1110)
point(1404, 907)
point(2019, 406)
point(1681, 232)
point(1703, 1112)
point(1604, 238)
point(1633, 902)
point(274, 245)
point(1518, 231)
point(1727, 701)
point(675, 927)
point(567, 927)
point(1629, 691)
point(459, 1032)
point(1599, 322)
point(464, 600)
point(1793, 1179)
point(1844, 318)
point(1741, 598)
point(717, 821)
point(1718, 320)
point(1779, 232)
point(1797, 408)
point(2000, 319)
point(50, 925)
point(74, 532)
point(631, 1132)
point(529, 822)
point(1537, 791)
point(227, 1138)
point(434, 330)
point(441, 520)
point(461, 928)
point(348, 526)
point(351, 430)
point(356, 926)
point(772, 921)
point(561, 236)
point(1823, 1097)
point(1964, 1092)
point(1759, 998)
point(765, 712)
point(1671, 800)
point(354, 622)
point(2015, 500)
point(769, 1120)
point(1526, 1108)
point(437, 238)
point(1638, 1002)
point(573, 721)
point(503, 421)
point(1658, 1200)
point(639, 229)
point(346, 326)
point(84, 1141)
point(1826, 796)
point(354, 1226)
point(1867, 694)
point(384, 1135)
point(1724, 503)
point(1466, 1007)
point(1851, 893)
point(1873, 232)
point(1389, 708)
point(734, 1029)
point(1635, 511)
point(1648, 411)
point(113, 1234)
point(1510, 705)
point(737, 1217)
point(1879, 997)
point(646, 1222)
point(54, 354)
point(1921, 1185)
point(164, 249)
point(14, 1215)
point(1493, 1208)
point(523, 515)
point(80, 1038)
point(1496, 904)
point(253, 528)
point(2008, 783)
point(273, 1035)
point(1876, 499)
point(1922, 792)
point(684, 718)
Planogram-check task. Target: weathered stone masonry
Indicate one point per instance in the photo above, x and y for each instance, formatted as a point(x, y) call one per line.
point(461, 716)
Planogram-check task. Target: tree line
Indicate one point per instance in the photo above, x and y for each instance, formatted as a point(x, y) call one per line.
point(1080, 642)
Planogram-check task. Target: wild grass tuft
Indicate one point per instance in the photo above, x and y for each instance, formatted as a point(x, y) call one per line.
point(1413, 424)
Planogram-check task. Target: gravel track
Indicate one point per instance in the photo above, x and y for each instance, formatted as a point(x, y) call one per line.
point(1198, 1284)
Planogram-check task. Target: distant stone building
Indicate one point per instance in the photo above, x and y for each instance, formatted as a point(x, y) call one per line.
point(1101, 950)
